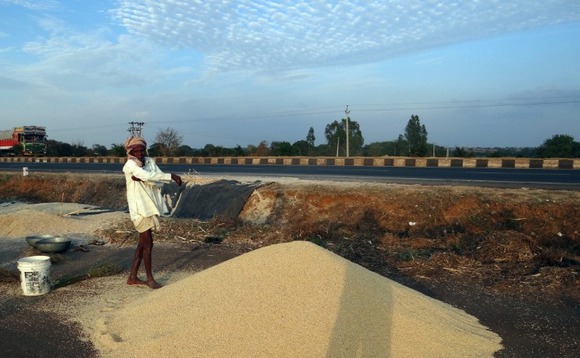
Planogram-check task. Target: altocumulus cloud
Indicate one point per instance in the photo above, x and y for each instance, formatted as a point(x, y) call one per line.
point(34, 5)
point(273, 36)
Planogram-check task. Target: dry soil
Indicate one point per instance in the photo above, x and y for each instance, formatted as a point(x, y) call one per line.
point(509, 257)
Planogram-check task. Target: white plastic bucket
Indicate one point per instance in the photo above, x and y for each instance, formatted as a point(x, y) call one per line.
point(34, 271)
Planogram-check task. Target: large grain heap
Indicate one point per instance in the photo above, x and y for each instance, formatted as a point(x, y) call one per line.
point(291, 300)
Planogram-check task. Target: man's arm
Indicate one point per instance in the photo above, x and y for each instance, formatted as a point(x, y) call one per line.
point(176, 178)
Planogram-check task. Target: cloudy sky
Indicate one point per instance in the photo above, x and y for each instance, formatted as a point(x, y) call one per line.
point(237, 72)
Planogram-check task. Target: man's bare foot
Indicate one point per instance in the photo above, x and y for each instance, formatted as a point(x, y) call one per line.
point(136, 281)
point(153, 284)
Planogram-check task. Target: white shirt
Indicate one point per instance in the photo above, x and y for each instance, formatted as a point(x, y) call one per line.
point(144, 197)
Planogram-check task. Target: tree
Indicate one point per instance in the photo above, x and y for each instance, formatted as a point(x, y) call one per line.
point(186, 151)
point(378, 149)
point(78, 149)
point(459, 152)
point(211, 150)
point(262, 150)
point(156, 150)
point(251, 149)
point(333, 133)
point(98, 150)
point(416, 136)
point(118, 150)
point(310, 138)
point(59, 149)
point(169, 141)
point(219, 151)
point(401, 146)
point(302, 148)
point(238, 151)
point(336, 136)
point(560, 146)
point(324, 150)
point(281, 149)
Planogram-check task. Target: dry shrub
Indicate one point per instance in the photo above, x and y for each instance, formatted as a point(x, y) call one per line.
point(99, 190)
point(443, 263)
point(505, 246)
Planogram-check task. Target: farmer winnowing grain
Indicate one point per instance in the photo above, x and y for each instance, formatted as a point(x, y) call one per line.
point(144, 180)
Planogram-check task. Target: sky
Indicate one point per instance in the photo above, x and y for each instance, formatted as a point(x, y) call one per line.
point(493, 73)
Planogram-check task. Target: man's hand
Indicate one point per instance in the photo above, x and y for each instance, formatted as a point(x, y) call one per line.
point(176, 178)
point(135, 178)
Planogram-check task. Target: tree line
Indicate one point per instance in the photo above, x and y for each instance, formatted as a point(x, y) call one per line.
point(343, 137)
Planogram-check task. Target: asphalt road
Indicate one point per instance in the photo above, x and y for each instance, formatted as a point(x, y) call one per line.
point(563, 179)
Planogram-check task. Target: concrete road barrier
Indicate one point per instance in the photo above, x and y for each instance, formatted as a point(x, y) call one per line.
point(518, 163)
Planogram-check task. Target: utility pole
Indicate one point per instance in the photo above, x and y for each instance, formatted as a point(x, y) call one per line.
point(347, 113)
point(136, 129)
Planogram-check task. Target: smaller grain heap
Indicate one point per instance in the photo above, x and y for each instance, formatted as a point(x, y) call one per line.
point(291, 300)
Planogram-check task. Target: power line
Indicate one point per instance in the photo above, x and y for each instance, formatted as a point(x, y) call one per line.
point(387, 108)
point(334, 110)
point(466, 106)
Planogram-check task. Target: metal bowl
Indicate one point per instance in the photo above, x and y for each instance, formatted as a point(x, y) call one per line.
point(32, 240)
point(53, 245)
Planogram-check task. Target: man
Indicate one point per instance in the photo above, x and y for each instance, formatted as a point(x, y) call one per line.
point(144, 180)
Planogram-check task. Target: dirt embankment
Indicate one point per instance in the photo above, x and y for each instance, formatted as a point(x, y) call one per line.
point(514, 242)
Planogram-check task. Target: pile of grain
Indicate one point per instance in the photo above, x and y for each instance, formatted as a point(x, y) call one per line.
point(18, 219)
point(291, 300)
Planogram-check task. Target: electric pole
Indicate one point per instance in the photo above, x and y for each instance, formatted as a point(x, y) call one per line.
point(347, 112)
point(135, 129)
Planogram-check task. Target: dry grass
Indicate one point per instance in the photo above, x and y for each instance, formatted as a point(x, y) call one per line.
point(519, 242)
